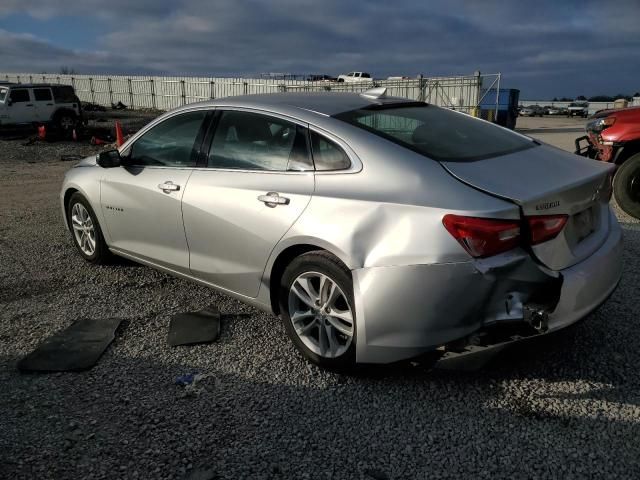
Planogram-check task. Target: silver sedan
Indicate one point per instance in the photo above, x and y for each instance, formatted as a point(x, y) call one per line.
point(379, 229)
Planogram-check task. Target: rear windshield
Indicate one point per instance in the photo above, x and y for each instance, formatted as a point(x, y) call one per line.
point(436, 132)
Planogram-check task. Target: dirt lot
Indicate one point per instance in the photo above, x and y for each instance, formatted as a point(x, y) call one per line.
point(567, 405)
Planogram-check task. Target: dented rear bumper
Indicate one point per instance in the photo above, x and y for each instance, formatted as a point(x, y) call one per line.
point(406, 311)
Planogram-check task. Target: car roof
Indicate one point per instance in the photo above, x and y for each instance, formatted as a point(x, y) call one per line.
point(325, 103)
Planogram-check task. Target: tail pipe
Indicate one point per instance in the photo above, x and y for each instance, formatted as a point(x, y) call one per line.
point(537, 317)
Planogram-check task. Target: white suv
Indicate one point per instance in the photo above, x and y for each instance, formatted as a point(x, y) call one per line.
point(355, 77)
point(42, 103)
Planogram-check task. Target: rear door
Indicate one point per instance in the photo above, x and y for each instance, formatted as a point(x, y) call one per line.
point(43, 100)
point(253, 184)
point(141, 201)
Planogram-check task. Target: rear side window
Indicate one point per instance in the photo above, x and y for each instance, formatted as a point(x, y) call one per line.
point(253, 141)
point(170, 143)
point(19, 95)
point(64, 94)
point(42, 94)
point(327, 155)
point(436, 132)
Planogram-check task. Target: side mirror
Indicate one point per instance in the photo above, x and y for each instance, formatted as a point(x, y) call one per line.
point(9, 102)
point(109, 159)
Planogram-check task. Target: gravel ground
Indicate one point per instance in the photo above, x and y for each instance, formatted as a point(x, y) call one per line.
point(566, 405)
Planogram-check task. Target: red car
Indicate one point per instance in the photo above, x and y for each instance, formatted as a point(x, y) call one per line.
point(614, 136)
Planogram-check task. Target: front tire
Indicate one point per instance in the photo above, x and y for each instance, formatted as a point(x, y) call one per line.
point(85, 230)
point(318, 309)
point(626, 186)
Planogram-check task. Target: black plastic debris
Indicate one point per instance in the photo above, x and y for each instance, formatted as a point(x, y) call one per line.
point(78, 347)
point(190, 328)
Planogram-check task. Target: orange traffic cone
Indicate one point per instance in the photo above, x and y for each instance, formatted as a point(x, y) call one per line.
point(119, 136)
point(42, 132)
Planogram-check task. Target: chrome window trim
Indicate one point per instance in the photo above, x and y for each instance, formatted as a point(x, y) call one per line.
point(356, 164)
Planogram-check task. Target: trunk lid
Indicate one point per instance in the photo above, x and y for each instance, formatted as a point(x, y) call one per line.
point(547, 181)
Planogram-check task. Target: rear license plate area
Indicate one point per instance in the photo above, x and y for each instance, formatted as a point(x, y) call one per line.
point(584, 223)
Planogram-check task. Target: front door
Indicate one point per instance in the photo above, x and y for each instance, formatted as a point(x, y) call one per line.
point(256, 181)
point(21, 108)
point(141, 201)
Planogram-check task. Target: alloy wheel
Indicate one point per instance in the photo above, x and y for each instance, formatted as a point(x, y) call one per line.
point(83, 229)
point(320, 314)
point(66, 122)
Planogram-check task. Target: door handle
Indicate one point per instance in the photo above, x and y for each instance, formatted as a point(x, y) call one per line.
point(168, 187)
point(273, 199)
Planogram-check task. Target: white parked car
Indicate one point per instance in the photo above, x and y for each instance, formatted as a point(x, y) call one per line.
point(355, 77)
point(40, 103)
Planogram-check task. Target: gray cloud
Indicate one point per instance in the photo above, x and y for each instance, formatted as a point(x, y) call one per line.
point(544, 47)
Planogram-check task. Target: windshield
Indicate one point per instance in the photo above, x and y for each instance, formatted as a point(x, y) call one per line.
point(3, 94)
point(436, 132)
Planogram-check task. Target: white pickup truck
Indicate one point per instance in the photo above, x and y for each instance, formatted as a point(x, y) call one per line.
point(355, 77)
point(578, 109)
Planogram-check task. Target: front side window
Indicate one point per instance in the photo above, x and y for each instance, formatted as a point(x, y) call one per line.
point(170, 143)
point(42, 94)
point(253, 141)
point(437, 133)
point(327, 155)
point(19, 95)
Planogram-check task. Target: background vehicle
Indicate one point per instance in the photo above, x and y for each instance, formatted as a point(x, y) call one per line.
point(40, 103)
point(355, 77)
point(321, 78)
point(277, 200)
point(532, 111)
point(614, 136)
point(578, 109)
point(553, 111)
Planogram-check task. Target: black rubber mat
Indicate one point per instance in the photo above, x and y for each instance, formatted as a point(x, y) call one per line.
point(189, 328)
point(78, 347)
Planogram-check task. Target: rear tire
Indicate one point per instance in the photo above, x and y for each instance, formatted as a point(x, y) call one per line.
point(626, 186)
point(85, 230)
point(324, 324)
point(65, 121)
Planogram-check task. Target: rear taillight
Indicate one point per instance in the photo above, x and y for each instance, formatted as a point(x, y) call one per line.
point(483, 237)
point(545, 227)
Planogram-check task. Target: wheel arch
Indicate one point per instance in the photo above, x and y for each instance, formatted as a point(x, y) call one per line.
point(628, 150)
point(61, 111)
point(284, 258)
point(65, 203)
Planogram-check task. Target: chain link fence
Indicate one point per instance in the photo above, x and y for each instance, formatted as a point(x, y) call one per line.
point(462, 93)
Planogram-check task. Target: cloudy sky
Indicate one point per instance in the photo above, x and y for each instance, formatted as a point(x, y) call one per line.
point(544, 48)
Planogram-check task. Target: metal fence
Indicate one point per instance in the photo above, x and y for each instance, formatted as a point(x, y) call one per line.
point(164, 93)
